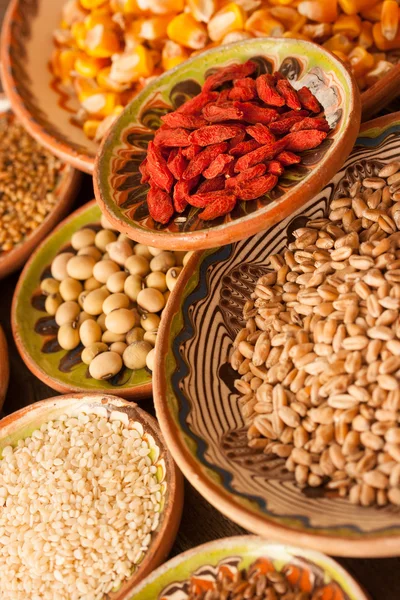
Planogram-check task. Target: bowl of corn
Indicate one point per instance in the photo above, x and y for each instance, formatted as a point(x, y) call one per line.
point(70, 74)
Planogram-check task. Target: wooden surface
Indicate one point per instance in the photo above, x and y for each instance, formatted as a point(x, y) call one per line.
point(200, 522)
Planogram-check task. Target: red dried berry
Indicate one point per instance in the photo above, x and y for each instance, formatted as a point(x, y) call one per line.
point(215, 113)
point(294, 113)
point(243, 90)
point(267, 92)
point(319, 123)
point(289, 93)
point(239, 137)
point(284, 125)
point(200, 200)
point(308, 100)
point(304, 140)
point(288, 158)
point(244, 147)
point(213, 134)
point(191, 151)
point(246, 175)
point(144, 171)
point(175, 120)
point(200, 162)
point(255, 114)
point(261, 134)
point(262, 154)
point(229, 73)
point(159, 204)
point(158, 168)
point(172, 137)
point(197, 103)
point(219, 166)
point(275, 168)
point(181, 193)
point(223, 97)
point(250, 190)
point(212, 185)
point(221, 206)
point(177, 163)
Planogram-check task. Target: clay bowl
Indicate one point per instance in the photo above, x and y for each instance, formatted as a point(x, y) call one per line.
point(197, 404)
point(20, 425)
point(232, 554)
point(4, 367)
point(122, 197)
point(66, 191)
point(27, 311)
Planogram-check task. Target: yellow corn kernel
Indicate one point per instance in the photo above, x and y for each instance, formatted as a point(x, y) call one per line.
point(366, 40)
point(348, 25)
point(161, 7)
point(101, 104)
point(373, 13)
point(185, 30)
point(106, 83)
point(91, 4)
point(63, 63)
point(71, 12)
point(361, 61)
point(281, 2)
point(339, 42)
point(173, 55)
point(378, 56)
point(343, 57)
point(381, 68)
point(118, 109)
point(127, 7)
point(128, 68)
point(390, 19)
point(296, 35)
point(99, 17)
point(235, 36)
point(202, 10)
point(90, 128)
point(154, 28)
point(322, 12)
point(288, 16)
point(85, 88)
point(230, 18)
point(88, 66)
point(352, 7)
point(261, 24)
point(383, 43)
point(101, 42)
point(317, 31)
point(78, 31)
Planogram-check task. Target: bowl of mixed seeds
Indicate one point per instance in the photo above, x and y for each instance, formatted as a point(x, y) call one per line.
point(36, 190)
point(282, 356)
point(91, 498)
point(248, 567)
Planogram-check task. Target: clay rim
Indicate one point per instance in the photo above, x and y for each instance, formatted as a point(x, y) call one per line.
point(367, 547)
point(135, 392)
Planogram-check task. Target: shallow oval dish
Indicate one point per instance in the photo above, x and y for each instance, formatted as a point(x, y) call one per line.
point(65, 190)
point(4, 367)
point(122, 197)
point(197, 404)
point(20, 425)
point(25, 316)
point(202, 563)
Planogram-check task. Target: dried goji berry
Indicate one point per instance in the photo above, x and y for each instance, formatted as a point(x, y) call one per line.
point(175, 120)
point(229, 73)
point(294, 113)
point(308, 100)
point(212, 185)
point(250, 190)
point(256, 114)
point(177, 163)
point(304, 140)
point(195, 104)
point(261, 133)
point(267, 92)
point(144, 171)
point(200, 200)
point(223, 97)
point(246, 175)
point(284, 125)
point(215, 113)
point(213, 134)
point(191, 151)
point(289, 93)
point(219, 166)
point(263, 153)
point(243, 90)
point(202, 160)
point(158, 168)
point(244, 147)
point(239, 137)
point(221, 206)
point(182, 190)
point(288, 158)
point(246, 83)
point(172, 137)
point(159, 204)
point(319, 123)
point(275, 168)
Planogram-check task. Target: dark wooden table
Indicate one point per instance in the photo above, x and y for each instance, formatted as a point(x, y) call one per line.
point(200, 521)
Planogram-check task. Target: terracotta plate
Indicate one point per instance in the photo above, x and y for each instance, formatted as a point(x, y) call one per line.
point(61, 370)
point(20, 425)
point(197, 405)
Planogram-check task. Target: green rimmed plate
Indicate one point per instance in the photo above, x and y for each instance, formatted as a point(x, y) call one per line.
point(201, 564)
point(197, 404)
point(122, 197)
point(61, 370)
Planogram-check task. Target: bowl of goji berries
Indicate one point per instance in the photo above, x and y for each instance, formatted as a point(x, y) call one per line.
point(227, 143)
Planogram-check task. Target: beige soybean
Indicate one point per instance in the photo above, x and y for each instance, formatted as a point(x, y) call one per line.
point(83, 238)
point(90, 332)
point(49, 286)
point(163, 261)
point(150, 321)
point(104, 268)
point(115, 301)
point(116, 281)
point(118, 347)
point(155, 251)
point(150, 359)
point(186, 258)
point(101, 320)
point(93, 301)
point(172, 277)
point(90, 352)
point(132, 286)
point(68, 336)
point(90, 251)
point(135, 354)
point(120, 320)
point(52, 303)
point(109, 337)
point(105, 223)
point(151, 337)
point(119, 251)
point(166, 296)
point(137, 265)
point(81, 267)
point(92, 284)
point(105, 365)
point(135, 334)
point(142, 250)
point(151, 300)
point(67, 312)
point(157, 280)
point(83, 316)
point(70, 289)
point(103, 238)
point(59, 265)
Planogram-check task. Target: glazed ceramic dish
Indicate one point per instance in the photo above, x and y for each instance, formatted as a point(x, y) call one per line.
point(122, 197)
point(4, 367)
point(202, 563)
point(20, 424)
point(66, 190)
point(61, 370)
point(197, 404)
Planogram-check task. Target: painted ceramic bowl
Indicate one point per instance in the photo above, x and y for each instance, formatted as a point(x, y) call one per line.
point(4, 367)
point(309, 571)
point(66, 190)
point(122, 197)
point(20, 425)
point(35, 332)
point(197, 404)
